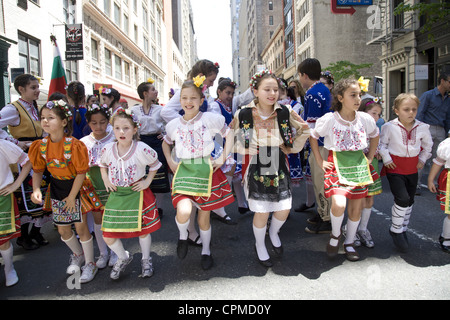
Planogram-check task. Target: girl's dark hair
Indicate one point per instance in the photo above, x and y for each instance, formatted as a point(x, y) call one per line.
point(57, 96)
point(290, 91)
point(61, 114)
point(339, 90)
point(90, 96)
point(143, 87)
point(75, 91)
point(23, 80)
point(204, 67)
point(225, 83)
point(114, 94)
point(368, 104)
point(191, 84)
point(103, 111)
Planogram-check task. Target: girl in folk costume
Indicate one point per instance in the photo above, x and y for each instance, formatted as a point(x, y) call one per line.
point(111, 97)
point(347, 170)
point(131, 210)
point(151, 132)
point(98, 120)
point(443, 191)
point(68, 196)
point(193, 135)
point(76, 98)
point(22, 119)
point(265, 138)
point(405, 146)
point(9, 211)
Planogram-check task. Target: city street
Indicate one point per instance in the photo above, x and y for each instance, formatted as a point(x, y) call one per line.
point(304, 272)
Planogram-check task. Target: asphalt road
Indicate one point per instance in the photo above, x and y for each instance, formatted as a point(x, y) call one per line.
point(304, 272)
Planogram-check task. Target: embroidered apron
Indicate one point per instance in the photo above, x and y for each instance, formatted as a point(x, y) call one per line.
point(7, 218)
point(193, 177)
point(352, 168)
point(95, 177)
point(123, 211)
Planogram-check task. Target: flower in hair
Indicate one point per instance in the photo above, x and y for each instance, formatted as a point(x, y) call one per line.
point(106, 91)
point(364, 84)
point(198, 81)
point(378, 100)
point(258, 75)
point(150, 80)
point(93, 107)
point(217, 65)
point(61, 104)
point(131, 114)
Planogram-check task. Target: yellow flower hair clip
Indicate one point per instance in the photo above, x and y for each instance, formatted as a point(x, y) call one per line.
point(198, 81)
point(150, 80)
point(364, 84)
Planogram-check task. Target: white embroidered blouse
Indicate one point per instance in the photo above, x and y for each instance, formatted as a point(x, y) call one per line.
point(126, 170)
point(95, 147)
point(10, 154)
point(443, 154)
point(151, 122)
point(342, 135)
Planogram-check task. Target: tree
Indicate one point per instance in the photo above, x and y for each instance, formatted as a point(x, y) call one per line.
point(346, 69)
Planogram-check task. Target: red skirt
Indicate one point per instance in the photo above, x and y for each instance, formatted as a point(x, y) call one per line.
point(332, 185)
point(150, 219)
point(221, 194)
point(442, 188)
point(7, 237)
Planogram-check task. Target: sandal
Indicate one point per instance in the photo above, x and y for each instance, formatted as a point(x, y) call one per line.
point(351, 255)
point(332, 251)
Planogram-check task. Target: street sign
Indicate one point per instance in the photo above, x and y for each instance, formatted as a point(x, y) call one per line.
point(354, 3)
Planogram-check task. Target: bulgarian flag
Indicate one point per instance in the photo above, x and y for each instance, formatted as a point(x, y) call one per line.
point(58, 81)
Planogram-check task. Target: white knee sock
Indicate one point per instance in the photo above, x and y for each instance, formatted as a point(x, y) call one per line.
point(352, 227)
point(74, 245)
point(446, 231)
point(205, 235)
point(275, 226)
point(88, 249)
point(260, 234)
point(102, 247)
point(365, 216)
point(221, 212)
point(407, 217)
point(183, 228)
point(336, 223)
point(145, 244)
point(118, 249)
point(398, 216)
point(7, 256)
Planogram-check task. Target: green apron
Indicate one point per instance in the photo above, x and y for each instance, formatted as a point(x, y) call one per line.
point(193, 177)
point(352, 168)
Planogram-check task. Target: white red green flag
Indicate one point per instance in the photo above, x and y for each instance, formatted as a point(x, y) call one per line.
point(59, 80)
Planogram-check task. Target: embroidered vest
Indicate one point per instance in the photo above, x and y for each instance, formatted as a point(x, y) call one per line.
point(246, 126)
point(28, 129)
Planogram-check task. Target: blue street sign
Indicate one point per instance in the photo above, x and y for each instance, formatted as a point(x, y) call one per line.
point(354, 3)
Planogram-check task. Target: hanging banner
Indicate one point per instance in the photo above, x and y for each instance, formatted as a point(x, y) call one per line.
point(74, 41)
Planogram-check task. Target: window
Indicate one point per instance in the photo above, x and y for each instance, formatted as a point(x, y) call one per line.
point(71, 70)
point(30, 54)
point(116, 14)
point(94, 50)
point(126, 71)
point(270, 20)
point(271, 5)
point(69, 12)
point(125, 24)
point(108, 62)
point(107, 7)
point(117, 67)
point(145, 17)
point(136, 34)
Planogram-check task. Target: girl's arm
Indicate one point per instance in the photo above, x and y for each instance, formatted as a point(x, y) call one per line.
point(70, 199)
point(36, 196)
point(435, 168)
point(108, 185)
point(144, 184)
point(302, 131)
point(16, 184)
point(325, 165)
point(373, 146)
point(167, 149)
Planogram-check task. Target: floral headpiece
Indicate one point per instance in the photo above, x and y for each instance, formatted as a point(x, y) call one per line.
point(378, 100)
point(364, 84)
point(61, 104)
point(217, 65)
point(106, 91)
point(328, 75)
point(198, 81)
point(131, 114)
point(93, 107)
point(256, 76)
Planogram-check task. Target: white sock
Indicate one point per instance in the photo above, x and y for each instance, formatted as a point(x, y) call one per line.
point(118, 249)
point(446, 231)
point(336, 223)
point(261, 250)
point(145, 244)
point(183, 228)
point(7, 256)
point(352, 227)
point(88, 249)
point(407, 217)
point(102, 247)
point(398, 216)
point(74, 245)
point(221, 212)
point(275, 226)
point(205, 235)
point(365, 216)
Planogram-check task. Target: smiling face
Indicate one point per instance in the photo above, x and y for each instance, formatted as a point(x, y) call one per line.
point(226, 95)
point(190, 102)
point(51, 122)
point(124, 130)
point(351, 99)
point(267, 92)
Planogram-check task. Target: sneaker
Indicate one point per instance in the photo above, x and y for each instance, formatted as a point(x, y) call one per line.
point(11, 278)
point(112, 259)
point(147, 268)
point(365, 238)
point(102, 261)
point(75, 263)
point(120, 266)
point(89, 272)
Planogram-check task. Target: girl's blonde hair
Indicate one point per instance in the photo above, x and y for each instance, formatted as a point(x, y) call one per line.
point(402, 97)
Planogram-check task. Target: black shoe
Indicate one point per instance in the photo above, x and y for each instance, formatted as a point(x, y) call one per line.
point(320, 228)
point(399, 241)
point(182, 248)
point(207, 262)
point(243, 210)
point(265, 263)
point(444, 248)
point(36, 235)
point(278, 250)
point(160, 213)
point(304, 207)
point(226, 220)
point(314, 220)
point(26, 243)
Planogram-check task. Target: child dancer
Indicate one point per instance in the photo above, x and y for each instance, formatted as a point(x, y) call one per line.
point(98, 119)
point(131, 210)
point(77, 99)
point(405, 146)
point(193, 135)
point(347, 170)
point(443, 193)
point(67, 160)
point(265, 138)
point(111, 97)
point(9, 211)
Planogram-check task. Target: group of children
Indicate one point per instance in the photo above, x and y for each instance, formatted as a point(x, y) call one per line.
point(119, 177)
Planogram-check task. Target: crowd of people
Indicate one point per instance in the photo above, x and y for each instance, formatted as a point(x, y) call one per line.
point(78, 155)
